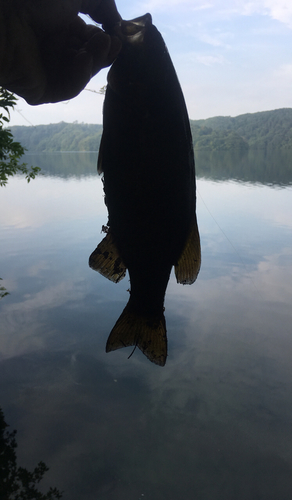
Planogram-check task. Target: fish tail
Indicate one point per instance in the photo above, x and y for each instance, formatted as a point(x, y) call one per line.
point(146, 332)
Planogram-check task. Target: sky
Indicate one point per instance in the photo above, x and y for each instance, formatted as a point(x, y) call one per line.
point(231, 56)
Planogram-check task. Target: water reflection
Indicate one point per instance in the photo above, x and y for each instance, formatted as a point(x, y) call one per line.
point(3, 291)
point(272, 167)
point(215, 423)
point(65, 164)
point(16, 481)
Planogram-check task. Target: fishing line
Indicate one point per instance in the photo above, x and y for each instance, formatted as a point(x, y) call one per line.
point(101, 91)
point(132, 351)
point(21, 114)
point(235, 250)
point(230, 242)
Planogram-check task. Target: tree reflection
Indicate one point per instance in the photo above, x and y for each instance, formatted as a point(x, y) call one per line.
point(17, 483)
point(3, 291)
point(265, 166)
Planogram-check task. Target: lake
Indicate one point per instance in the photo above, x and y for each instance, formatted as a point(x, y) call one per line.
point(215, 422)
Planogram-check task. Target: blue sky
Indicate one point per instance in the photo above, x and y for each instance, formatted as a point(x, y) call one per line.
point(231, 56)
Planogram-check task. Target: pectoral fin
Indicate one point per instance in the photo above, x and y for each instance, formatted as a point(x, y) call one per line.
point(189, 263)
point(149, 334)
point(106, 260)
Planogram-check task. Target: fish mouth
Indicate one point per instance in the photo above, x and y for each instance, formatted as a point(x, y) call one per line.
point(133, 28)
point(126, 74)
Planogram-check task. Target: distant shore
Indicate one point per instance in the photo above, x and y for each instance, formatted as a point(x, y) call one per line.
point(266, 129)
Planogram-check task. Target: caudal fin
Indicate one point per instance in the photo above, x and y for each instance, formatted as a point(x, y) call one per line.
point(147, 333)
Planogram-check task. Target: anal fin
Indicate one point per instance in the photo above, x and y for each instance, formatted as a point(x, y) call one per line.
point(189, 263)
point(147, 333)
point(106, 260)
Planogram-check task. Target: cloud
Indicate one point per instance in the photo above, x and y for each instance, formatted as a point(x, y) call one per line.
point(203, 6)
point(157, 5)
point(281, 10)
point(209, 60)
point(45, 208)
point(23, 322)
point(284, 72)
point(215, 41)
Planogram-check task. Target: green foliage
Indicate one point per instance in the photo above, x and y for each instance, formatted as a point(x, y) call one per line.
point(205, 138)
point(17, 483)
point(264, 130)
point(268, 129)
point(10, 150)
point(59, 137)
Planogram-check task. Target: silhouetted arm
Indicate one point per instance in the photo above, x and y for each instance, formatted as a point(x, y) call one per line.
point(47, 52)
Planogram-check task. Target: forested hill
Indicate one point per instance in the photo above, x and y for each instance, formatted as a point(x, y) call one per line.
point(59, 137)
point(267, 129)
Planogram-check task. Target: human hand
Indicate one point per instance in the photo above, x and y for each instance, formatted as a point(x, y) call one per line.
point(47, 52)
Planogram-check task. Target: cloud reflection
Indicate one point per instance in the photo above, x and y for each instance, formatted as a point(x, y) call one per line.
point(216, 420)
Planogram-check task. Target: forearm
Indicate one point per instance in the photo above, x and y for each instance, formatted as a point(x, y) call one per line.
point(19, 55)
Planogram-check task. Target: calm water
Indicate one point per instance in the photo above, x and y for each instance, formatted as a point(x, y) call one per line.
point(214, 423)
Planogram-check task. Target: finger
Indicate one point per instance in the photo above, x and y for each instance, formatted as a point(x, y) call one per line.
point(104, 49)
point(102, 11)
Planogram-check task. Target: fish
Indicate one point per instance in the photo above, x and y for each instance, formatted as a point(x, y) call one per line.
point(147, 162)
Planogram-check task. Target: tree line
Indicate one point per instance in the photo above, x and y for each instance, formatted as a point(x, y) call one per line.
point(266, 129)
point(59, 137)
point(263, 130)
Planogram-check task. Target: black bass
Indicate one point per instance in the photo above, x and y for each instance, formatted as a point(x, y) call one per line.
point(147, 160)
